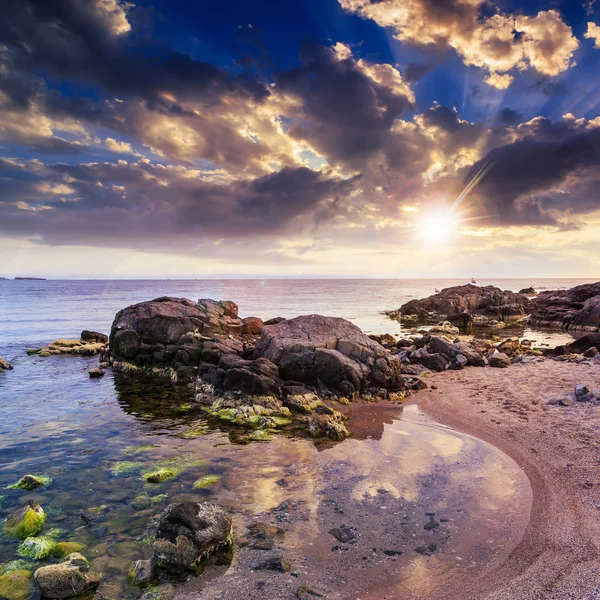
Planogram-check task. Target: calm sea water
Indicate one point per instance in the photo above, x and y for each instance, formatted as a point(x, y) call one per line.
point(55, 421)
point(34, 312)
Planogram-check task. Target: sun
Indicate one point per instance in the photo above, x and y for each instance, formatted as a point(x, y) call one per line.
point(437, 226)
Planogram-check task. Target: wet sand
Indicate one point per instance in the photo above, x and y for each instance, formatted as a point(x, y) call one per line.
point(559, 450)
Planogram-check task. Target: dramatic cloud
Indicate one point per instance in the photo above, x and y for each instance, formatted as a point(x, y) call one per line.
point(546, 176)
point(499, 44)
point(139, 204)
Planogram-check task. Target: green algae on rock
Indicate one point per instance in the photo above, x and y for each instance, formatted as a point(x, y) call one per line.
point(26, 521)
point(16, 585)
point(139, 448)
point(30, 482)
point(37, 547)
point(63, 549)
point(206, 481)
point(160, 475)
point(126, 468)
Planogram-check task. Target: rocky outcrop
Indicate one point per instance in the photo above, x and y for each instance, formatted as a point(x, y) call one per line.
point(328, 352)
point(4, 365)
point(171, 333)
point(69, 578)
point(190, 531)
point(576, 309)
point(465, 305)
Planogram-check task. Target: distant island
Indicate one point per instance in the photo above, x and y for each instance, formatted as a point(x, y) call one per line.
point(29, 278)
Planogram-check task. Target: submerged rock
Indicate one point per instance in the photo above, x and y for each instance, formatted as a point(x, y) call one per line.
point(190, 531)
point(16, 585)
point(4, 365)
point(69, 578)
point(96, 373)
point(30, 482)
point(26, 521)
point(142, 572)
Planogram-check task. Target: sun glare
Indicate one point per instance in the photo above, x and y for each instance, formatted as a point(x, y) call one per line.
point(437, 226)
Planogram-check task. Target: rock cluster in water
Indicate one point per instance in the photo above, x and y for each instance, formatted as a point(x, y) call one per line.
point(252, 373)
point(467, 305)
point(474, 306)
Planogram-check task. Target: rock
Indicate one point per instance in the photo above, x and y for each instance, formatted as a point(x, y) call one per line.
point(69, 347)
point(384, 339)
point(487, 302)
point(93, 336)
point(435, 362)
point(96, 373)
point(530, 291)
point(591, 352)
point(63, 549)
point(142, 572)
point(330, 352)
point(568, 400)
point(5, 366)
point(460, 362)
point(413, 370)
point(16, 585)
point(190, 531)
point(329, 426)
point(499, 360)
point(343, 534)
point(276, 563)
point(26, 521)
point(445, 328)
point(584, 343)
point(69, 578)
point(30, 482)
point(431, 524)
point(252, 326)
point(169, 330)
point(577, 308)
point(596, 394)
point(582, 393)
point(165, 591)
point(509, 347)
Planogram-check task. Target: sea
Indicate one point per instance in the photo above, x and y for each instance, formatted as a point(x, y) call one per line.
point(94, 439)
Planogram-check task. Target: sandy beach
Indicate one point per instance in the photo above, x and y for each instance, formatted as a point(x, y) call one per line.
point(558, 448)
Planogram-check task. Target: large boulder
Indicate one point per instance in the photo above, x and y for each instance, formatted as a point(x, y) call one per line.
point(590, 340)
point(328, 352)
point(190, 531)
point(577, 308)
point(69, 578)
point(459, 304)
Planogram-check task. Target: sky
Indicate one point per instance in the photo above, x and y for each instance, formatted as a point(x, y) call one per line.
point(385, 138)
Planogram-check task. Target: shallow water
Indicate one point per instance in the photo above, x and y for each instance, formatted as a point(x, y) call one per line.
point(55, 421)
point(77, 431)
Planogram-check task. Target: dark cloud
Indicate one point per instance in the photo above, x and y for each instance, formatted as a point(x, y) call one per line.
point(342, 110)
point(141, 205)
point(534, 180)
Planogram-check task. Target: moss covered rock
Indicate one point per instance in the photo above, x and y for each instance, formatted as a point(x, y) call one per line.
point(16, 585)
point(26, 522)
point(30, 482)
point(37, 547)
point(160, 475)
point(63, 549)
point(206, 481)
point(69, 578)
